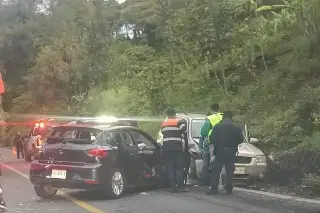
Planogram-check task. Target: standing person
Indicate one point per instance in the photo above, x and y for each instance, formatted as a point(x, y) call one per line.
point(2, 202)
point(187, 159)
point(172, 130)
point(18, 144)
point(211, 120)
point(226, 136)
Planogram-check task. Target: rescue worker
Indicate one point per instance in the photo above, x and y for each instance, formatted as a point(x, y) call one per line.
point(226, 136)
point(2, 202)
point(214, 118)
point(172, 130)
point(19, 145)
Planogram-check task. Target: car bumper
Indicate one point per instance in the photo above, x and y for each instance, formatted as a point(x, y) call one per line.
point(252, 171)
point(77, 177)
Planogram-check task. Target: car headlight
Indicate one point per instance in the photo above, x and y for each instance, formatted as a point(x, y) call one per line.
point(261, 159)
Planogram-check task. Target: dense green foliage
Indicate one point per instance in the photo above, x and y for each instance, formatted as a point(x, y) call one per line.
point(258, 58)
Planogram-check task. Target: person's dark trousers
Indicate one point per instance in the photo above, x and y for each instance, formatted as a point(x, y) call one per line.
point(19, 152)
point(204, 179)
point(223, 157)
point(186, 161)
point(174, 166)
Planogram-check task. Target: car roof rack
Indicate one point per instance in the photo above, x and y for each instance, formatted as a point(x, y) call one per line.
point(121, 122)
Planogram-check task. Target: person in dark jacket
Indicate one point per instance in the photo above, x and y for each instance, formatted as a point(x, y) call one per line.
point(19, 145)
point(226, 136)
point(173, 130)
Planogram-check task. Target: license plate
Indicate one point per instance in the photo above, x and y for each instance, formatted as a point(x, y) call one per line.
point(58, 174)
point(239, 171)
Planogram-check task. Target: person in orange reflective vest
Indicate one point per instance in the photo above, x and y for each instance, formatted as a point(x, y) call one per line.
point(173, 130)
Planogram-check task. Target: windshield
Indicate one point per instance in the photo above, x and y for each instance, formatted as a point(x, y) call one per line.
point(196, 125)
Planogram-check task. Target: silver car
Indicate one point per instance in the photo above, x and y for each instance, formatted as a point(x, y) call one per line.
point(250, 162)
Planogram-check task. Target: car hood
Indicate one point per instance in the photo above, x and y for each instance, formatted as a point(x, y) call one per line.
point(248, 150)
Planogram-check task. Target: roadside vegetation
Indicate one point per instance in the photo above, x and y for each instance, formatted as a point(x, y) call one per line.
point(88, 57)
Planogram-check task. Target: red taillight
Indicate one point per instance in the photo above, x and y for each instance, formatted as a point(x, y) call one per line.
point(147, 175)
point(100, 153)
point(91, 182)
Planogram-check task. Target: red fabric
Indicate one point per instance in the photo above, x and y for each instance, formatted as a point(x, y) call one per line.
point(2, 90)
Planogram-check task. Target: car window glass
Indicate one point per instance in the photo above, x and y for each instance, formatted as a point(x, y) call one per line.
point(106, 138)
point(196, 125)
point(69, 134)
point(140, 138)
point(126, 139)
point(75, 132)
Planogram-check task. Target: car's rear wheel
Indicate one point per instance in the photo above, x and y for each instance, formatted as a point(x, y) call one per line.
point(45, 192)
point(116, 184)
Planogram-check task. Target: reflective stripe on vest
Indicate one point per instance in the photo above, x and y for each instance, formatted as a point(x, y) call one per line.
point(170, 122)
point(214, 119)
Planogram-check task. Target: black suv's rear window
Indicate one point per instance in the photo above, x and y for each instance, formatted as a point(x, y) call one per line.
point(73, 134)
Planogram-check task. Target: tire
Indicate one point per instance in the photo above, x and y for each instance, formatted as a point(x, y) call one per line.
point(45, 192)
point(116, 184)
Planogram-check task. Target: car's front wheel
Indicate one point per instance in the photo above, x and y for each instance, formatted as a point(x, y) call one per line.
point(45, 192)
point(116, 184)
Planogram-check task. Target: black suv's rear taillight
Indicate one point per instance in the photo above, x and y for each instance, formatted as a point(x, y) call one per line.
point(100, 153)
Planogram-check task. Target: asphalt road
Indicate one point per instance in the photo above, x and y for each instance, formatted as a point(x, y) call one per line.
point(20, 197)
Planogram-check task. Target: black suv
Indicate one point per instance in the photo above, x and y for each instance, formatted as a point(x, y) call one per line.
point(104, 158)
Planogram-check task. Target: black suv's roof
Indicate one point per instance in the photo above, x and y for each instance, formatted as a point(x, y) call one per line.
point(192, 115)
point(99, 127)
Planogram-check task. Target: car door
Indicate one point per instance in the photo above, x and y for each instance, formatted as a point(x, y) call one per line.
point(149, 152)
point(130, 156)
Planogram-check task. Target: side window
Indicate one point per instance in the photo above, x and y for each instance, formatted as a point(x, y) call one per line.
point(126, 139)
point(107, 138)
point(69, 134)
point(140, 138)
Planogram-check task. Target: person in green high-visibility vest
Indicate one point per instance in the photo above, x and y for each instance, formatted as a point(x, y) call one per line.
point(211, 120)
